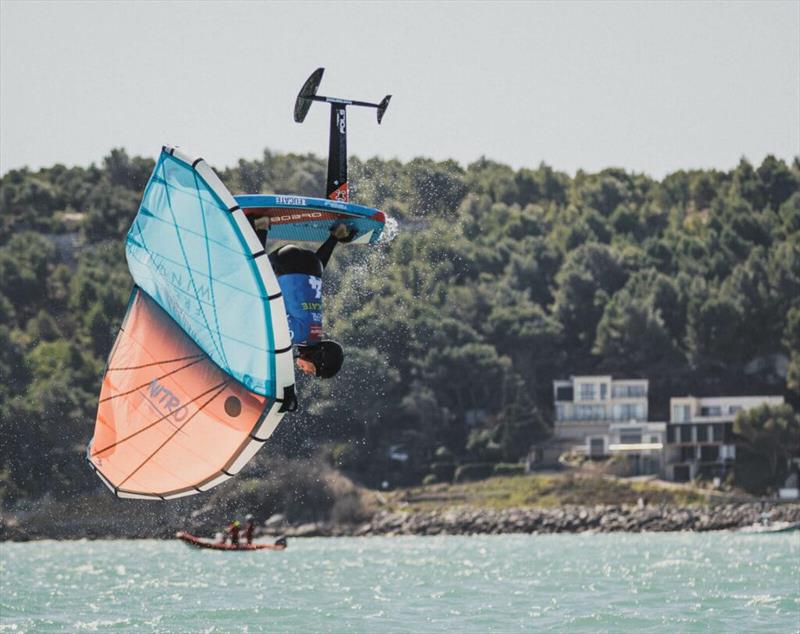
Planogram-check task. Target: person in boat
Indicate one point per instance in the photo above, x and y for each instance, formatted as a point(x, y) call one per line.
point(233, 532)
point(299, 272)
point(248, 528)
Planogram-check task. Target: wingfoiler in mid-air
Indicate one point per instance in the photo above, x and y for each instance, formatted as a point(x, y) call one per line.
point(201, 372)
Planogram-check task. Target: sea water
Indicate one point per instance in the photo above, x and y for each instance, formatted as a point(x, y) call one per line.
point(678, 582)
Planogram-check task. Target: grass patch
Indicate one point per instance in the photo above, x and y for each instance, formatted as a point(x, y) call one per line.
point(550, 490)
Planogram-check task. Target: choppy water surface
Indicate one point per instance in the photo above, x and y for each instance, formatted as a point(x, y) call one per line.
point(595, 583)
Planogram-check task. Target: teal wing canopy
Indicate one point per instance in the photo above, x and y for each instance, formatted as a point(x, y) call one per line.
point(192, 250)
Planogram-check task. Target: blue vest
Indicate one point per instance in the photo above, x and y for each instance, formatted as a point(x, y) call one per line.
point(302, 296)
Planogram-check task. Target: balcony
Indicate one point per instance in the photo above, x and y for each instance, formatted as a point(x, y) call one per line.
point(610, 413)
point(628, 391)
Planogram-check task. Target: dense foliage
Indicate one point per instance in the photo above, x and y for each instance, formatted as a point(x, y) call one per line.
point(498, 282)
point(772, 440)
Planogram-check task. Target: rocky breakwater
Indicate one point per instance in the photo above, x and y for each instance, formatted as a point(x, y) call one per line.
point(571, 519)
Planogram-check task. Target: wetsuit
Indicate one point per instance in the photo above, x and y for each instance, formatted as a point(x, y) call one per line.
point(248, 532)
point(299, 273)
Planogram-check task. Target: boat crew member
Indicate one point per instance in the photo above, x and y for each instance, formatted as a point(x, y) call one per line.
point(233, 532)
point(248, 528)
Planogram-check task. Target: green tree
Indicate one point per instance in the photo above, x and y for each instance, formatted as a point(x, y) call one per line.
point(777, 181)
point(632, 337)
point(791, 339)
point(589, 277)
point(712, 333)
point(771, 437)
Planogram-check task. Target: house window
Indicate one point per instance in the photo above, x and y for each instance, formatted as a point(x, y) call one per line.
point(702, 433)
point(670, 434)
point(713, 410)
point(719, 432)
point(596, 447)
point(680, 413)
point(654, 439)
point(564, 393)
point(629, 411)
point(709, 453)
point(686, 433)
point(587, 391)
point(630, 436)
point(734, 409)
point(603, 390)
point(687, 454)
point(590, 412)
point(681, 473)
point(629, 391)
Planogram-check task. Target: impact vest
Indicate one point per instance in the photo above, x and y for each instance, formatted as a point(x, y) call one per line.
point(302, 297)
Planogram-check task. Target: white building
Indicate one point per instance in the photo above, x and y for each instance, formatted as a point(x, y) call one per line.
point(642, 444)
point(601, 416)
point(586, 406)
point(700, 434)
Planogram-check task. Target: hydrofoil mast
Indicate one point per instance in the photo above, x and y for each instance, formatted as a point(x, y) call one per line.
point(337, 187)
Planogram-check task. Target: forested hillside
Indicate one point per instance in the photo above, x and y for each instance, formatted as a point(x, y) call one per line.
point(497, 282)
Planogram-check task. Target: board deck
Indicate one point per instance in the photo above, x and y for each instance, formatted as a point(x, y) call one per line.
point(306, 219)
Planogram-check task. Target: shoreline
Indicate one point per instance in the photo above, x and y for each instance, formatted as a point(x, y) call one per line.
point(565, 519)
point(463, 520)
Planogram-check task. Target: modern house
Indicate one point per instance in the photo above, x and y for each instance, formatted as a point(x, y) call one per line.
point(700, 438)
point(586, 406)
point(600, 416)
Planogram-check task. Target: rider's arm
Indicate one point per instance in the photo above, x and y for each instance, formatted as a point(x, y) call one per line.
point(339, 233)
point(325, 251)
point(261, 226)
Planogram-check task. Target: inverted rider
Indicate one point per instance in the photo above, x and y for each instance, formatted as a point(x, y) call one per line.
point(299, 272)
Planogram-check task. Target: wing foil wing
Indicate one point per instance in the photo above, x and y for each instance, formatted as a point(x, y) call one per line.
point(201, 370)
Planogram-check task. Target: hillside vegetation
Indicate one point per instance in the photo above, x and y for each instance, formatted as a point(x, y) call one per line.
point(498, 282)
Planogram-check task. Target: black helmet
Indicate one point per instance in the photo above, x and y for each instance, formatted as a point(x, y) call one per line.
point(327, 357)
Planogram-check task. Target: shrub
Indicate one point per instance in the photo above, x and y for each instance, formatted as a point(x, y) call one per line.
point(430, 479)
point(348, 509)
point(508, 469)
point(443, 471)
point(474, 471)
point(443, 453)
point(343, 455)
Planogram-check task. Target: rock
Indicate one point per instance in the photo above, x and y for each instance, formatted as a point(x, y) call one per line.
point(275, 520)
point(304, 530)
